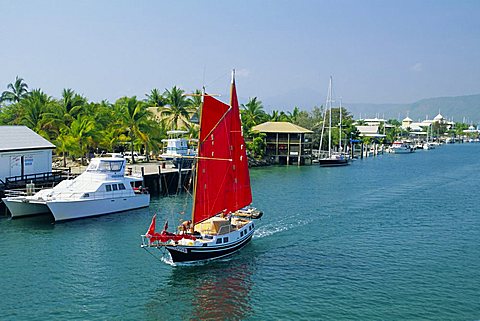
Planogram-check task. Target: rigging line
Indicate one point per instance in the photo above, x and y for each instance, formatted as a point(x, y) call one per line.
point(152, 255)
point(216, 125)
point(217, 79)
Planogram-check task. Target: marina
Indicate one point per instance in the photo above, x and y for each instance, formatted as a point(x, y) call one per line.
point(384, 238)
point(339, 184)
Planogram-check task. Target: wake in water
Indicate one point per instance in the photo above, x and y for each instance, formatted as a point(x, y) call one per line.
point(271, 229)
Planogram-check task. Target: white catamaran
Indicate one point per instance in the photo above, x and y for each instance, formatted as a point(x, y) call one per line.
point(221, 224)
point(101, 189)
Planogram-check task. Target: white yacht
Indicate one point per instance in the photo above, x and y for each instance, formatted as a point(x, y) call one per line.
point(177, 149)
point(101, 189)
point(400, 148)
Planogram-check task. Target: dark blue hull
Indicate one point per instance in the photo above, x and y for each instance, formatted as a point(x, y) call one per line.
point(196, 253)
point(333, 162)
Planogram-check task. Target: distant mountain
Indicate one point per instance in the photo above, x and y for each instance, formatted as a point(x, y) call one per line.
point(460, 108)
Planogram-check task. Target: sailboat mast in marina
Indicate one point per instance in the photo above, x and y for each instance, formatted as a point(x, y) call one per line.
point(221, 220)
point(333, 159)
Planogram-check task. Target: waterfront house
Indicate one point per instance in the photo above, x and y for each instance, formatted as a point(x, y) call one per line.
point(23, 152)
point(286, 143)
point(369, 131)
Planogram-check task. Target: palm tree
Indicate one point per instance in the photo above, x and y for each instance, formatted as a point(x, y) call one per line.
point(155, 98)
point(293, 116)
point(32, 110)
point(80, 134)
point(252, 113)
point(18, 90)
point(133, 115)
point(64, 111)
point(178, 109)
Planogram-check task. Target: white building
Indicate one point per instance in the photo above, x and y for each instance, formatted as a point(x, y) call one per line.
point(23, 152)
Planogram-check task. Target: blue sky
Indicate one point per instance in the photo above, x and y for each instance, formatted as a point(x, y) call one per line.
point(284, 51)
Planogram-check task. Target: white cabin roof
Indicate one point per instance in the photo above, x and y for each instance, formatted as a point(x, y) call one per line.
point(16, 138)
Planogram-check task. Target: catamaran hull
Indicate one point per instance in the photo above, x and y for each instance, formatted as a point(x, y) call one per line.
point(20, 207)
point(184, 254)
point(70, 210)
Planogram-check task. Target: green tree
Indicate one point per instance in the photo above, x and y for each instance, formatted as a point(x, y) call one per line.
point(32, 109)
point(79, 135)
point(63, 111)
point(133, 115)
point(155, 98)
point(252, 114)
point(15, 91)
point(178, 108)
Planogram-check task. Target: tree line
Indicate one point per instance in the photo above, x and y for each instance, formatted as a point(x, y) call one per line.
point(78, 126)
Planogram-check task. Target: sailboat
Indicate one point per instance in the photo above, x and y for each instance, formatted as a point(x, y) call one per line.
point(332, 158)
point(222, 221)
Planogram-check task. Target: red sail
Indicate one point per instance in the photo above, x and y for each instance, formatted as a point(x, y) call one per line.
point(213, 175)
point(241, 195)
point(223, 182)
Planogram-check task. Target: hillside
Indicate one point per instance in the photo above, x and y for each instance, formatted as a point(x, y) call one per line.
point(460, 108)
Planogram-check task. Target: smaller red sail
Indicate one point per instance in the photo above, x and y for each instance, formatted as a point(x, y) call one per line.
point(241, 195)
point(151, 228)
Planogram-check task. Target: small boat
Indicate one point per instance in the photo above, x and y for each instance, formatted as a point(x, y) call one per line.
point(330, 157)
point(221, 221)
point(177, 149)
point(101, 189)
point(399, 147)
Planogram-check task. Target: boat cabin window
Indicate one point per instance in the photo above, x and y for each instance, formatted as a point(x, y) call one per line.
point(219, 241)
point(109, 188)
point(121, 186)
point(115, 187)
point(241, 233)
point(86, 195)
point(225, 239)
point(105, 166)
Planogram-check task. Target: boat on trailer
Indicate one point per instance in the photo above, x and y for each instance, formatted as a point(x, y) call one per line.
point(222, 223)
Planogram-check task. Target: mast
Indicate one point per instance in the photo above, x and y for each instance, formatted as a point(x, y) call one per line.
point(195, 179)
point(330, 118)
point(340, 129)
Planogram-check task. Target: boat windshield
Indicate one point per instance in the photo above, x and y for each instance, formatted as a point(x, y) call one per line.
point(105, 166)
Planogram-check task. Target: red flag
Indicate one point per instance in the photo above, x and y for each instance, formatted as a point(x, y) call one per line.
point(151, 229)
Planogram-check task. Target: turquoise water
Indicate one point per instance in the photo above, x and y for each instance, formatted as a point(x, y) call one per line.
point(395, 237)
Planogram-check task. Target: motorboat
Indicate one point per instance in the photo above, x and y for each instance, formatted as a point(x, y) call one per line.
point(177, 150)
point(102, 189)
point(399, 147)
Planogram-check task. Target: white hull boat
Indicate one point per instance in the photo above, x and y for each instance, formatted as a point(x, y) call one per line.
point(101, 189)
point(401, 148)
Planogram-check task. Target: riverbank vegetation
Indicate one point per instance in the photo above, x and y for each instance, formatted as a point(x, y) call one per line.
point(79, 127)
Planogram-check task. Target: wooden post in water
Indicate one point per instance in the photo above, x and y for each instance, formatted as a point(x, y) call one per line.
point(179, 184)
point(159, 179)
point(288, 149)
point(361, 151)
point(299, 148)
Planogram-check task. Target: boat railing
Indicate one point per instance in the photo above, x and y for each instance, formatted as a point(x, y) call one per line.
point(147, 242)
point(21, 191)
point(88, 195)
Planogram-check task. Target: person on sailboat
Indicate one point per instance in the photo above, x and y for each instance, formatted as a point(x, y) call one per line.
point(186, 227)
